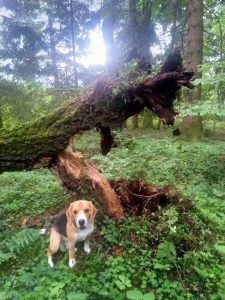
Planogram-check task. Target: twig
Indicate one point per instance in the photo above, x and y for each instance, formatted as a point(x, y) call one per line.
point(143, 196)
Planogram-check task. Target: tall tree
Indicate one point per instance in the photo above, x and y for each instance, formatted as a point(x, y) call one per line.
point(1, 118)
point(54, 71)
point(192, 125)
point(214, 48)
point(108, 33)
point(73, 41)
point(134, 31)
point(146, 39)
point(145, 30)
point(195, 42)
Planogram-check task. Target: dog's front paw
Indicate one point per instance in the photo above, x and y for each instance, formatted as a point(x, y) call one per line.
point(87, 248)
point(72, 262)
point(50, 262)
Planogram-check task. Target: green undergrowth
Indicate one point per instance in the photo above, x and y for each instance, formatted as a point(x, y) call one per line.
point(25, 194)
point(178, 252)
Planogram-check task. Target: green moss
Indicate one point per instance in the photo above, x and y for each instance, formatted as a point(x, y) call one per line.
point(191, 128)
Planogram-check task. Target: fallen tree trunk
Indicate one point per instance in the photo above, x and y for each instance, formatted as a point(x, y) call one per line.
point(109, 103)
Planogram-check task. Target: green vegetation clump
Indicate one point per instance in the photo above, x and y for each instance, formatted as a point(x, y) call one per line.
point(177, 252)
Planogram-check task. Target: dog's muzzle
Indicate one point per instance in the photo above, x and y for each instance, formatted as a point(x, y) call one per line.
point(81, 221)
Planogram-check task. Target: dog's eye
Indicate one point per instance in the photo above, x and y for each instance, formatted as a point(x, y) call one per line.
point(75, 211)
point(86, 210)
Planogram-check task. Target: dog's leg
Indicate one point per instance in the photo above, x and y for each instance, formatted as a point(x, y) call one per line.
point(72, 260)
point(87, 248)
point(53, 246)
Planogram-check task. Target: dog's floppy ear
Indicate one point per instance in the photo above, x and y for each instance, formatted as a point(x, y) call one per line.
point(93, 211)
point(69, 212)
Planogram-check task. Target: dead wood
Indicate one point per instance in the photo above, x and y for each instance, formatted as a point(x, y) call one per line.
point(75, 173)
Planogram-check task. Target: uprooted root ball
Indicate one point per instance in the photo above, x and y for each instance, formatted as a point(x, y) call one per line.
point(138, 197)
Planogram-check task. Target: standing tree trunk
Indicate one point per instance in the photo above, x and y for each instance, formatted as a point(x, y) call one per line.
point(133, 42)
point(147, 120)
point(53, 52)
point(195, 43)
point(1, 118)
point(145, 42)
point(73, 42)
point(173, 29)
point(108, 35)
point(194, 59)
point(144, 30)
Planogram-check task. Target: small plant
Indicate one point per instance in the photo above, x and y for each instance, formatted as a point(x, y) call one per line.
point(138, 295)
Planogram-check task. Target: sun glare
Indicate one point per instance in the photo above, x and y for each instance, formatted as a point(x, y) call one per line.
point(96, 51)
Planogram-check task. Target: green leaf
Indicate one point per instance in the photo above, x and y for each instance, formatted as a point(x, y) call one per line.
point(149, 296)
point(134, 295)
point(220, 249)
point(77, 296)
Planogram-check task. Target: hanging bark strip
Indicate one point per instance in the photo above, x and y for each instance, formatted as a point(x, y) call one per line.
point(73, 171)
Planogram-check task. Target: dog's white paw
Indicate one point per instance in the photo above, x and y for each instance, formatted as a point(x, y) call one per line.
point(50, 262)
point(72, 262)
point(43, 231)
point(87, 248)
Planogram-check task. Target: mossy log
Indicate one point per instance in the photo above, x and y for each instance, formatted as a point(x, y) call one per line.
point(108, 103)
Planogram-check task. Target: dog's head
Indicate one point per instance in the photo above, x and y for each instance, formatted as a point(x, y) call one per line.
point(81, 213)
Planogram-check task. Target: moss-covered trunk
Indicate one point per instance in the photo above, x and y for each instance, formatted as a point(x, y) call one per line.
point(108, 103)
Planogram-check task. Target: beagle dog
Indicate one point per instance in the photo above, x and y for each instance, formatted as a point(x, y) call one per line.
point(76, 224)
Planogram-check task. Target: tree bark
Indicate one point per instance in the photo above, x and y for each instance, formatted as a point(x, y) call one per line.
point(194, 60)
point(134, 35)
point(73, 43)
point(108, 35)
point(133, 23)
point(53, 52)
point(147, 118)
point(73, 172)
point(143, 39)
point(195, 43)
point(1, 117)
point(173, 30)
point(144, 34)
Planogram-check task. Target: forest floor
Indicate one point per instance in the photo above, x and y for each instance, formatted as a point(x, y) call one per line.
point(176, 251)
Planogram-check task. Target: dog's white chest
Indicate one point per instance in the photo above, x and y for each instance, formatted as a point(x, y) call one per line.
point(81, 235)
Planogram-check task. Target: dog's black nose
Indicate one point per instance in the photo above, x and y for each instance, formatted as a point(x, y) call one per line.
point(81, 222)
